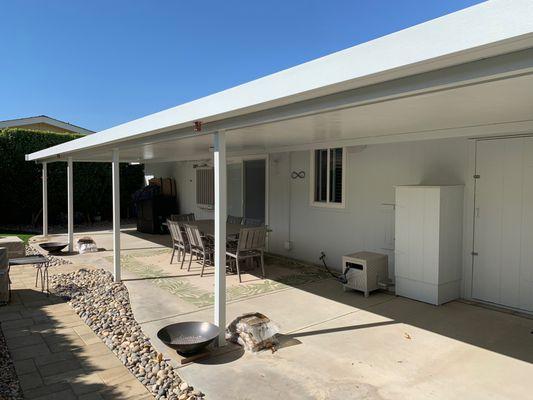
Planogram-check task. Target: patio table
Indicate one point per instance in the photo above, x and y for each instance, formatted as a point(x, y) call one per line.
point(207, 227)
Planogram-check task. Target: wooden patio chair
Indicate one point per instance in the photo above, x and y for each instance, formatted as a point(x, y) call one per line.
point(251, 244)
point(180, 241)
point(251, 222)
point(232, 219)
point(183, 217)
point(200, 245)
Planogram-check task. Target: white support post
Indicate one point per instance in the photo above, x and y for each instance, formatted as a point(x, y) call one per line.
point(45, 200)
point(70, 204)
point(220, 233)
point(116, 215)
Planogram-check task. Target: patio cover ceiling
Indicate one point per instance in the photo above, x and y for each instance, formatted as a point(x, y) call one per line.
point(493, 108)
point(465, 74)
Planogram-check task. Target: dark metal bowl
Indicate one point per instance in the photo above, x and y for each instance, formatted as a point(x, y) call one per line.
point(188, 337)
point(53, 247)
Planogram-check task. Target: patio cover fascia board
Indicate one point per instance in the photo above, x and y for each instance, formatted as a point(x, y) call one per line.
point(486, 30)
point(487, 70)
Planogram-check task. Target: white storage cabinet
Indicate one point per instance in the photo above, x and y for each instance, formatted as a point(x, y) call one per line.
point(428, 242)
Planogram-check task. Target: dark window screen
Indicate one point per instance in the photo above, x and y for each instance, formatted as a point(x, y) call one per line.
point(321, 171)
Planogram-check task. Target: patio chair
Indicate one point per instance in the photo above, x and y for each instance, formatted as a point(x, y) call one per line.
point(180, 241)
point(183, 217)
point(251, 222)
point(200, 245)
point(232, 219)
point(251, 244)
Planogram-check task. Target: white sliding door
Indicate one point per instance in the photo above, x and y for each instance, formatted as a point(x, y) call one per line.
point(503, 267)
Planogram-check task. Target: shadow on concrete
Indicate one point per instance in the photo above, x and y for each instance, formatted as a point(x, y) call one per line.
point(339, 329)
point(500, 331)
point(226, 355)
point(159, 239)
point(495, 330)
point(286, 341)
point(50, 358)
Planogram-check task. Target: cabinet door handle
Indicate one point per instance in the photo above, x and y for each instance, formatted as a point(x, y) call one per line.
point(477, 212)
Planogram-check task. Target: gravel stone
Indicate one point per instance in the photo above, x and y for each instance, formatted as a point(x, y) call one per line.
point(53, 261)
point(9, 381)
point(105, 307)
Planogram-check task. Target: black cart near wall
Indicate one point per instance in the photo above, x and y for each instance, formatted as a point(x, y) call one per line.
point(153, 208)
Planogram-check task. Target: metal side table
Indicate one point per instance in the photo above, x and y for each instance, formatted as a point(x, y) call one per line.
point(41, 264)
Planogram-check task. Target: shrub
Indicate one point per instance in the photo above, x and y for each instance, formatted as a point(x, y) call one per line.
point(20, 195)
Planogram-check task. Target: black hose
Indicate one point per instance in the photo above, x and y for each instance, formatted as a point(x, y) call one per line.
point(341, 278)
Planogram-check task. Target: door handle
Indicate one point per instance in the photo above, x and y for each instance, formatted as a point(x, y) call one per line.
point(477, 212)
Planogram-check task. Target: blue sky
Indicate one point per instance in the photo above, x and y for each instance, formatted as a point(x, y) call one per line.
point(100, 63)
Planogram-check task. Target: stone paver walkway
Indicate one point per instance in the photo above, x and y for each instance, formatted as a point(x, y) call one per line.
point(56, 355)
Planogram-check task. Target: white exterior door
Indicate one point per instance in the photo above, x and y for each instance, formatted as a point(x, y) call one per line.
point(503, 239)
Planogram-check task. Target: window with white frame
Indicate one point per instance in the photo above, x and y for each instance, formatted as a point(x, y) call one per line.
point(327, 172)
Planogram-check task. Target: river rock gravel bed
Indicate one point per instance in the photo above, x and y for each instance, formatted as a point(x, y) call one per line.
point(9, 382)
point(104, 306)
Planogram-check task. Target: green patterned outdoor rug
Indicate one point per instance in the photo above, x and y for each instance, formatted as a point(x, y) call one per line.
point(150, 265)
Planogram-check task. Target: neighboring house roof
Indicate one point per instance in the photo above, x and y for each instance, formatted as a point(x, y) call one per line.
point(486, 30)
point(44, 123)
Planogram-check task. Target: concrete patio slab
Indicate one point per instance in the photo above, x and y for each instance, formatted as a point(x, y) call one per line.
point(338, 344)
point(274, 305)
point(368, 355)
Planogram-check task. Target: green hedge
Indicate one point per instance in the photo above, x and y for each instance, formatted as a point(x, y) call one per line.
point(21, 188)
